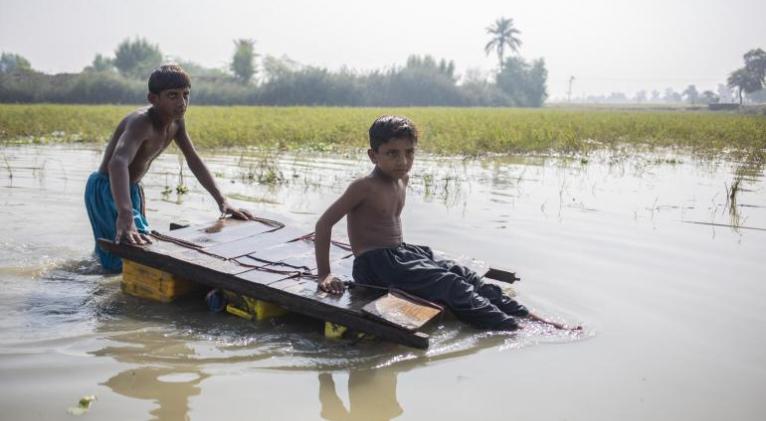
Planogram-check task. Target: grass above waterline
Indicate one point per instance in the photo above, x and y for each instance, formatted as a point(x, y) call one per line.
point(468, 131)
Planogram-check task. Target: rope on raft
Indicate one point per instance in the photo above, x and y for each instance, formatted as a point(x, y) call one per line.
point(306, 273)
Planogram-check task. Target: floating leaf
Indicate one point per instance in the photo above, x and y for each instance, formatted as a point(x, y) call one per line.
point(82, 406)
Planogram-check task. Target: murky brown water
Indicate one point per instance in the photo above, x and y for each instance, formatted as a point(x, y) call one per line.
point(638, 249)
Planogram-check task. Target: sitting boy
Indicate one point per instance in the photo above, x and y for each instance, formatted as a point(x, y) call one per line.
point(372, 206)
point(113, 196)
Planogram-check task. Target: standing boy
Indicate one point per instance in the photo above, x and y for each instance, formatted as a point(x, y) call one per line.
point(372, 206)
point(113, 196)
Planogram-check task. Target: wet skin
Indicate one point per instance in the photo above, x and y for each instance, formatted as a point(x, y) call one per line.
point(372, 205)
point(139, 138)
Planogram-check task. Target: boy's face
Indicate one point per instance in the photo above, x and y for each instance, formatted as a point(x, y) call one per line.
point(395, 157)
point(171, 102)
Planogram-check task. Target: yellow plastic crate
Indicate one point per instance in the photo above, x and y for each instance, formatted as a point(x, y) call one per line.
point(147, 282)
point(251, 308)
point(334, 330)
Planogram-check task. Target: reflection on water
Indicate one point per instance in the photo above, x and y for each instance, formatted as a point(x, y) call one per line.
point(608, 231)
point(750, 172)
point(372, 396)
point(170, 393)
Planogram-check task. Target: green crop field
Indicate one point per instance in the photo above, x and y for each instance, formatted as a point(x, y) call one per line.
point(469, 131)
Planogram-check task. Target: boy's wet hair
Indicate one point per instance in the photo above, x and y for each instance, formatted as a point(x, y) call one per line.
point(390, 127)
point(168, 76)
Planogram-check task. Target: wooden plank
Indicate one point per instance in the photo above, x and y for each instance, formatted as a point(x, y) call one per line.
point(296, 284)
point(221, 231)
point(280, 252)
point(297, 254)
point(303, 303)
point(277, 266)
point(165, 247)
point(501, 275)
point(352, 300)
point(248, 245)
point(261, 277)
point(214, 263)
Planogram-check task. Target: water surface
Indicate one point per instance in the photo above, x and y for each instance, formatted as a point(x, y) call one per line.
point(650, 252)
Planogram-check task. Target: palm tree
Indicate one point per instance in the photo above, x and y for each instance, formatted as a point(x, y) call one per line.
point(503, 35)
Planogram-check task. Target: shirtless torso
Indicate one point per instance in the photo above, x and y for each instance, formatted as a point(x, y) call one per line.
point(376, 221)
point(372, 206)
point(140, 138)
point(154, 142)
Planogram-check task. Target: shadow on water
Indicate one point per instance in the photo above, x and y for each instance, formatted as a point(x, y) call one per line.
point(169, 388)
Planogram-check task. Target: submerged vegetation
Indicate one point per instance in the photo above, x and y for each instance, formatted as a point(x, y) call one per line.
point(469, 131)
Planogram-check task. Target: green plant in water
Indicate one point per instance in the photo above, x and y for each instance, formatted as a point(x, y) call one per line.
point(181, 188)
point(167, 189)
point(8, 166)
point(265, 171)
point(428, 181)
point(271, 176)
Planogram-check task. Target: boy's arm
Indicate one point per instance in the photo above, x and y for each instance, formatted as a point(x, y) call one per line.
point(199, 169)
point(353, 196)
point(119, 181)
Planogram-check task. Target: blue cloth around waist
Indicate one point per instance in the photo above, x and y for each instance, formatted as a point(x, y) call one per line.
point(102, 212)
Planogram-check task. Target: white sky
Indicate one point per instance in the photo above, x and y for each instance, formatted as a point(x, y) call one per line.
point(608, 45)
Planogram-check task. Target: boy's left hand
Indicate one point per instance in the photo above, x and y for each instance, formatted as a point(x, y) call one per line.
point(331, 284)
point(227, 209)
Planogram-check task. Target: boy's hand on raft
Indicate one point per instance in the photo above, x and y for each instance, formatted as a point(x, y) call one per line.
point(228, 209)
point(332, 285)
point(127, 232)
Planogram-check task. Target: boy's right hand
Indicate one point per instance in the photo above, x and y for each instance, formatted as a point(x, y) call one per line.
point(332, 284)
point(126, 229)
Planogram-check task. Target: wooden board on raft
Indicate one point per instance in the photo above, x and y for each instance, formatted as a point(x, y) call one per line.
point(274, 264)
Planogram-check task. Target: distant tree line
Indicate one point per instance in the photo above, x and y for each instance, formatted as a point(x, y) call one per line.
point(747, 82)
point(691, 95)
point(250, 80)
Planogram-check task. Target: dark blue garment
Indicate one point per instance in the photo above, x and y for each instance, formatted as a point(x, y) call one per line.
point(413, 269)
point(102, 212)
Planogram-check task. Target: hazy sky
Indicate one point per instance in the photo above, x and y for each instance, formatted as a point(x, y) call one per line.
point(608, 45)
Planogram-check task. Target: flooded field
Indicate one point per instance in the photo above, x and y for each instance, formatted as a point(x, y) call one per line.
point(659, 256)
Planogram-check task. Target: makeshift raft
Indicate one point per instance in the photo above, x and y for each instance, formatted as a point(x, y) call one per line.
point(272, 268)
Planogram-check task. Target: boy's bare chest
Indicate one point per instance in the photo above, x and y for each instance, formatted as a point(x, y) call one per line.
point(155, 144)
point(385, 203)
